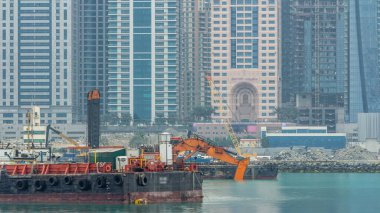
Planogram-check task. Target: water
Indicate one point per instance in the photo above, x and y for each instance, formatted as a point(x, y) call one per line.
point(290, 193)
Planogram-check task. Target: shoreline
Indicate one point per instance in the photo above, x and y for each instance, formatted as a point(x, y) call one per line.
point(224, 171)
point(323, 166)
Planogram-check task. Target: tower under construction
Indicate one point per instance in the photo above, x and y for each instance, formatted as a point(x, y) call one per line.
point(315, 58)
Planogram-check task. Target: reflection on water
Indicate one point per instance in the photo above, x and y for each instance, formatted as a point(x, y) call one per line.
point(23, 208)
point(290, 193)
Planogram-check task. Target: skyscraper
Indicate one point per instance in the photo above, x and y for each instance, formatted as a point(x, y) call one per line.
point(245, 65)
point(364, 75)
point(194, 55)
point(36, 59)
point(142, 59)
point(92, 49)
point(315, 59)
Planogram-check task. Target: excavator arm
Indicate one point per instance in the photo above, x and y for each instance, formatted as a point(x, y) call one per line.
point(65, 137)
point(200, 145)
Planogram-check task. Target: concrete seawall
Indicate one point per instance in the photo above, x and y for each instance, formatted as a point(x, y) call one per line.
point(325, 166)
point(224, 171)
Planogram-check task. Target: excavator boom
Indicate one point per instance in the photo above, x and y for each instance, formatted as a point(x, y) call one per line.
point(71, 141)
point(240, 170)
point(200, 145)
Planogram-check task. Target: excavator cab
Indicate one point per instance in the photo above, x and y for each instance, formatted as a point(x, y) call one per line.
point(175, 140)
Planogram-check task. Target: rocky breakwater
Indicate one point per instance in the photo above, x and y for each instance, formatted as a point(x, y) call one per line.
point(350, 160)
point(328, 166)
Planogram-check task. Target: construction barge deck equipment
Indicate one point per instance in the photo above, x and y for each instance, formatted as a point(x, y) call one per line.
point(96, 183)
point(198, 144)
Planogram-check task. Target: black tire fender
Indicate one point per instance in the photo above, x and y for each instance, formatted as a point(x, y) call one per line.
point(68, 180)
point(118, 180)
point(101, 181)
point(142, 179)
point(21, 184)
point(83, 184)
point(53, 181)
point(39, 185)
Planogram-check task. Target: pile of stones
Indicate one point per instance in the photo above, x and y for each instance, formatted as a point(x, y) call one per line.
point(116, 139)
point(350, 154)
point(354, 153)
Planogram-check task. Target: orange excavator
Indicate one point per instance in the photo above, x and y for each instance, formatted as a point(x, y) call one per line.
point(197, 144)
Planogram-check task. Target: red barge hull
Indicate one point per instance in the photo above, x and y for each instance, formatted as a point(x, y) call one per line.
point(149, 197)
point(88, 183)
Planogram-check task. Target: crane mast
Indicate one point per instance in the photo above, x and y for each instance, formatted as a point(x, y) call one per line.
point(226, 122)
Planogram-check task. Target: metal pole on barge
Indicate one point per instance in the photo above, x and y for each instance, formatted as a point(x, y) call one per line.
point(93, 118)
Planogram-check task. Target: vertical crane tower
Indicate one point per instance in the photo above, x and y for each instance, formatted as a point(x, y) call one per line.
point(93, 118)
point(226, 122)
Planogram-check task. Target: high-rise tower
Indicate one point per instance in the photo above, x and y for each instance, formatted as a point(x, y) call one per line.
point(364, 75)
point(92, 46)
point(142, 59)
point(315, 59)
point(36, 60)
point(245, 58)
point(194, 55)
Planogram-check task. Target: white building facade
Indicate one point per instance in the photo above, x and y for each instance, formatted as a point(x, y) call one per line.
point(245, 65)
point(36, 61)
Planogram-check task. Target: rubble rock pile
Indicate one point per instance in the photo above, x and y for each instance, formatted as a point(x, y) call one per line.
point(290, 155)
point(317, 155)
point(116, 139)
point(354, 153)
point(123, 139)
point(350, 154)
point(303, 155)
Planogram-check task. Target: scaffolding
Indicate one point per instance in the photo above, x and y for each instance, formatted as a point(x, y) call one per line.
point(315, 58)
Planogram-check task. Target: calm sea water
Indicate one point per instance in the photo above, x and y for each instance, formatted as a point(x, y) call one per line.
point(290, 193)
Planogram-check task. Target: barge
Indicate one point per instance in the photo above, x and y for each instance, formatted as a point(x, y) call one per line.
point(265, 172)
point(96, 183)
point(224, 171)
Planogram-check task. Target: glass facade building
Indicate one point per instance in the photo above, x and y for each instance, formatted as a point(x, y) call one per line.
point(315, 51)
point(194, 55)
point(36, 59)
point(142, 58)
point(364, 75)
point(92, 50)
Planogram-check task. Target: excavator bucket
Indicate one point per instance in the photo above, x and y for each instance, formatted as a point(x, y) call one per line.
point(240, 171)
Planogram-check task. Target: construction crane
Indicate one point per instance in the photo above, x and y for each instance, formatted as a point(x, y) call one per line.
point(226, 122)
point(65, 137)
point(197, 144)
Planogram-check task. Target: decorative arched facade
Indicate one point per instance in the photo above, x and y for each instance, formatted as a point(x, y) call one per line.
point(244, 102)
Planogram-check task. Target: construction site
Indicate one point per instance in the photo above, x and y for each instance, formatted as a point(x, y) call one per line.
point(315, 59)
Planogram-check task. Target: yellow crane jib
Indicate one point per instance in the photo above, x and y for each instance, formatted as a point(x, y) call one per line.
point(226, 122)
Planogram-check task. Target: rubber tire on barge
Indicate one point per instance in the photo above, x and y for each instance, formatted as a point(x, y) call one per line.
point(53, 181)
point(121, 188)
point(142, 180)
point(118, 180)
point(101, 182)
point(21, 184)
point(39, 185)
point(84, 184)
point(68, 180)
